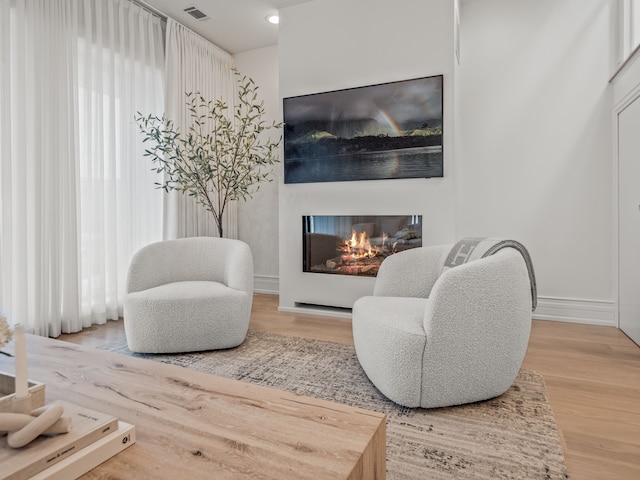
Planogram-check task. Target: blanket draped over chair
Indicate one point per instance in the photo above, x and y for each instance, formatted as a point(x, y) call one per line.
point(473, 248)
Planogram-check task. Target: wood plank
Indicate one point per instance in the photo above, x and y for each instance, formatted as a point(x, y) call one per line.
point(194, 425)
point(592, 375)
point(265, 317)
point(573, 394)
point(582, 466)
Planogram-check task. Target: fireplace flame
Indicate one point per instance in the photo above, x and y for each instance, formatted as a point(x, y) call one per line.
point(358, 247)
point(357, 256)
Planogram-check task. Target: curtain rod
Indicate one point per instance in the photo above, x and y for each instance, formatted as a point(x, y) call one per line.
point(150, 9)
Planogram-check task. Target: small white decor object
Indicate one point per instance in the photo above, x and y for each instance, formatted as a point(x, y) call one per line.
point(23, 429)
point(31, 394)
point(22, 400)
point(8, 381)
point(38, 456)
point(22, 423)
point(7, 389)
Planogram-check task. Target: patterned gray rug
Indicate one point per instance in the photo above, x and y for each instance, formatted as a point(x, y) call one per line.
point(513, 436)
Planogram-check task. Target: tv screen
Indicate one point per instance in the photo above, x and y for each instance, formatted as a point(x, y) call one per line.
point(385, 131)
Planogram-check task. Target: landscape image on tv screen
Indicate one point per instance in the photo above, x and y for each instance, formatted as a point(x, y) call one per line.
point(385, 131)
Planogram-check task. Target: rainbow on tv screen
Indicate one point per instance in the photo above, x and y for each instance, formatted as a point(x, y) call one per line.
point(385, 131)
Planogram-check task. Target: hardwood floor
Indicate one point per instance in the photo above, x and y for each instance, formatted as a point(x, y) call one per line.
point(592, 375)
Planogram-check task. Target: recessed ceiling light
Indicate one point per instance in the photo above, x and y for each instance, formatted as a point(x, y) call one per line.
point(273, 18)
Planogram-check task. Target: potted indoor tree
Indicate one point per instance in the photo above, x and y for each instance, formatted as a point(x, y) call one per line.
point(222, 156)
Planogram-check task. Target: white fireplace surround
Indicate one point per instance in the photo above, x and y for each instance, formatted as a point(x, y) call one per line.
point(330, 294)
point(311, 61)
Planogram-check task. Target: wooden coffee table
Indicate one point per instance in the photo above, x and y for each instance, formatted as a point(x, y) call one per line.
point(198, 426)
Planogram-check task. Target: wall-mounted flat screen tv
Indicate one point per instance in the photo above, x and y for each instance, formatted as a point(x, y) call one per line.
point(385, 131)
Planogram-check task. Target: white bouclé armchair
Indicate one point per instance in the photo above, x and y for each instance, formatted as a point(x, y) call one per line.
point(433, 338)
point(189, 294)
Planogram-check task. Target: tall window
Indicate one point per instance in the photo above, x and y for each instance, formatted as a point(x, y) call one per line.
point(77, 196)
point(120, 71)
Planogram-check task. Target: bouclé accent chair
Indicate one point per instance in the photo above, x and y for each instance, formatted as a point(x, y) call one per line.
point(189, 294)
point(433, 338)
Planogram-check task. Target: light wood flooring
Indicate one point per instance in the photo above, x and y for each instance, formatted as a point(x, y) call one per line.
point(592, 375)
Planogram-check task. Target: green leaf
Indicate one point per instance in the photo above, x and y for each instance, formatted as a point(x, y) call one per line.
point(221, 156)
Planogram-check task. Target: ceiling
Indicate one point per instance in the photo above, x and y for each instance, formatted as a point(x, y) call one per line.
point(233, 25)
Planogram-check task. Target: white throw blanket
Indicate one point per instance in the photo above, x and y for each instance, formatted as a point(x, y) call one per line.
point(469, 249)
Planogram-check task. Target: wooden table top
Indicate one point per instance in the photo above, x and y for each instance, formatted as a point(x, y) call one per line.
point(194, 425)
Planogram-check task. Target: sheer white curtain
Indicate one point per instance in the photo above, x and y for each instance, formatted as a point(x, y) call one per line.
point(77, 197)
point(193, 64)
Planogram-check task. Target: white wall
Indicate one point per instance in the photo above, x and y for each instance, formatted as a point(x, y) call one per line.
point(533, 135)
point(535, 141)
point(258, 217)
point(334, 44)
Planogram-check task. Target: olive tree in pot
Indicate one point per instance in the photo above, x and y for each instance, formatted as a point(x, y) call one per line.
point(220, 157)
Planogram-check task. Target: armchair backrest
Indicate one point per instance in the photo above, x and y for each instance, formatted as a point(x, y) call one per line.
point(223, 260)
point(411, 273)
point(494, 291)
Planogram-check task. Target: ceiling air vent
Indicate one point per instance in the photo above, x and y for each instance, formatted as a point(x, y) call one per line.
point(195, 13)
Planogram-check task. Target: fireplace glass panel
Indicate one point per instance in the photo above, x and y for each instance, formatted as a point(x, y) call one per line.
point(356, 245)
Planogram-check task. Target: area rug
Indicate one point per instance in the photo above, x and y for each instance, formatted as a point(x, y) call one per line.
point(513, 436)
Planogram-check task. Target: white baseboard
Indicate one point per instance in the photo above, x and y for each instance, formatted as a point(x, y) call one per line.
point(318, 310)
point(591, 312)
point(266, 284)
point(587, 312)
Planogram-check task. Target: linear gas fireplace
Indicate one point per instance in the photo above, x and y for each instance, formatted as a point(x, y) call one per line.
point(356, 245)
